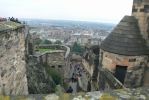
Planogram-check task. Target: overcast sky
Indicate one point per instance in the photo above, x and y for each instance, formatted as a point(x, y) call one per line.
point(90, 10)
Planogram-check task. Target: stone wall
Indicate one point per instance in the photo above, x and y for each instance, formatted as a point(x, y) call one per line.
point(12, 63)
point(88, 68)
point(88, 60)
point(146, 76)
point(39, 82)
point(90, 63)
point(57, 59)
point(141, 11)
point(135, 66)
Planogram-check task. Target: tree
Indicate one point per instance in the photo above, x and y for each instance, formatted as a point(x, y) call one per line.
point(56, 76)
point(37, 41)
point(46, 42)
point(77, 48)
point(58, 42)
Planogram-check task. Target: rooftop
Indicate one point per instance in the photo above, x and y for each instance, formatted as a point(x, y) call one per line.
point(125, 39)
point(9, 25)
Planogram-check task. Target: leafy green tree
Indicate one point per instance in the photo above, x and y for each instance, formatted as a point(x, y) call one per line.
point(46, 41)
point(55, 75)
point(37, 41)
point(77, 48)
point(58, 42)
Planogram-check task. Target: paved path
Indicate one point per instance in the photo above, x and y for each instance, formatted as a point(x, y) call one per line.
point(77, 75)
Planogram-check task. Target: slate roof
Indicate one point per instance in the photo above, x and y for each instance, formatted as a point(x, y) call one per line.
point(125, 39)
point(9, 25)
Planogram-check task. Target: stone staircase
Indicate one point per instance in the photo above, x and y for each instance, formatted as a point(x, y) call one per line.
point(108, 78)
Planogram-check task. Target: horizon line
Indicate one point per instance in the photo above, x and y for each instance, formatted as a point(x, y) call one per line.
point(80, 20)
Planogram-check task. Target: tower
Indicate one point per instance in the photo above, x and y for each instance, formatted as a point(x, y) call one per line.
point(125, 53)
point(140, 10)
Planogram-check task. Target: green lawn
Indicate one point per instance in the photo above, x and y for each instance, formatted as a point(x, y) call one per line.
point(44, 50)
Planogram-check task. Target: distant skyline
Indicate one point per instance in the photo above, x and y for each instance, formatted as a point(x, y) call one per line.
point(109, 11)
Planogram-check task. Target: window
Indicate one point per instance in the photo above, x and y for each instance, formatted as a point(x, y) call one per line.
point(141, 10)
point(134, 10)
point(53, 66)
point(59, 66)
point(146, 8)
point(132, 60)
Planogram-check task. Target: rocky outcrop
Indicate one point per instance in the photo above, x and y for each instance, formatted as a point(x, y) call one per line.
point(39, 82)
point(12, 60)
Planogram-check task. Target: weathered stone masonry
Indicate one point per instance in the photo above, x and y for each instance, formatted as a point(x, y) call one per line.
point(125, 53)
point(135, 67)
point(12, 59)
point(141, 11)
point(57, 59)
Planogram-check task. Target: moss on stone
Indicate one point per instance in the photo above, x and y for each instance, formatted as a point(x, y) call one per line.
point(4, 97)
point(44, 50)
point(129, 94)
point(9, 25)
point(107, 96)
point(65, 96)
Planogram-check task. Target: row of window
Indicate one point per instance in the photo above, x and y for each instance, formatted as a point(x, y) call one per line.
point(145, 9)
point(130, 60)
point(59, 66)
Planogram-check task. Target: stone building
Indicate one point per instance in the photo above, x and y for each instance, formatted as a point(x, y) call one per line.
point(125, 53)
point(57, 58)
point(141, 11)
point(81, 38)
point(12, 59)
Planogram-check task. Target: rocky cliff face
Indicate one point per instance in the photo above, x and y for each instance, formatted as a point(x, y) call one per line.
point(39, 82)
point(12, 62)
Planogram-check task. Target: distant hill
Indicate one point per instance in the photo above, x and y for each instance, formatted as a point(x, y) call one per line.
point(69, 23)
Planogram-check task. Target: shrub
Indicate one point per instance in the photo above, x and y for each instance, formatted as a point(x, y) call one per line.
point(55, 75)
